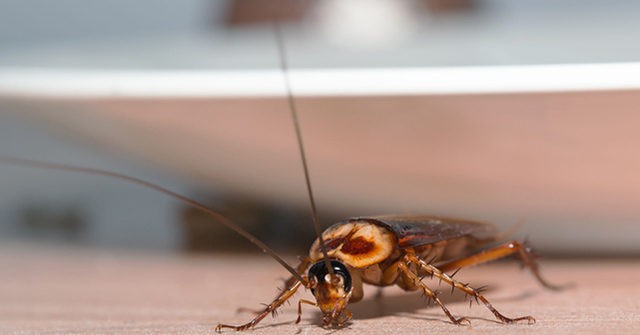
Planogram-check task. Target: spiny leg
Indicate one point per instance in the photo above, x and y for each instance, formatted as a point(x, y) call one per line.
point(436, 272)
point(336, 314)
point(300, 302)
point(524, 252)
point(280, 299)
point(291, 285)
point(347, 317)
point(430, 293)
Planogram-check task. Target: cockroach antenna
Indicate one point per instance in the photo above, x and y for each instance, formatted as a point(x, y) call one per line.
point(282, 55)
point(219, 217)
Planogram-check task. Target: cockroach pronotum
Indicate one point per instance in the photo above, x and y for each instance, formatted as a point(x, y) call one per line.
point(381, 250)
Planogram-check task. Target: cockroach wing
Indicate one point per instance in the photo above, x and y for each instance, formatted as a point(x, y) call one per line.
point(415, 231)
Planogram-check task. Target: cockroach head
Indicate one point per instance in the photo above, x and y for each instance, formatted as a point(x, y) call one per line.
point(332, 291)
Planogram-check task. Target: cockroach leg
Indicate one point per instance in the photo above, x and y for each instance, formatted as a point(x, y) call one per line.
point(347, 317)
point(304, 263)
point(436, 272)
point(280, 299)
point(524, 252)
point(406, 270)
point(300, 302)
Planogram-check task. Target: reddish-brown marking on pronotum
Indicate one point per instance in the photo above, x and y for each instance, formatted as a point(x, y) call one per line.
point(357, 246)
point(334, 243)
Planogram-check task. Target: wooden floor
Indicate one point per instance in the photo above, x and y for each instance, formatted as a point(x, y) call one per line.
point(46, 290)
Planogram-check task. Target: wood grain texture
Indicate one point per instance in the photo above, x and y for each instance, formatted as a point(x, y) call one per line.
point(46, 290)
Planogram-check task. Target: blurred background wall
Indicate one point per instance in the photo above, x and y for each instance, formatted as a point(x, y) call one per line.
point(133, 137)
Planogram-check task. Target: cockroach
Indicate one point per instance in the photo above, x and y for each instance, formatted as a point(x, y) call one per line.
point(378, 250)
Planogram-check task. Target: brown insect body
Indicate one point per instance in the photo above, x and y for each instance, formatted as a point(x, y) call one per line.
point(396, 250)
point(365, 241)
point(371, 247)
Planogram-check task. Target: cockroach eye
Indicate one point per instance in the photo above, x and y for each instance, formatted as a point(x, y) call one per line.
point(321, 274)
